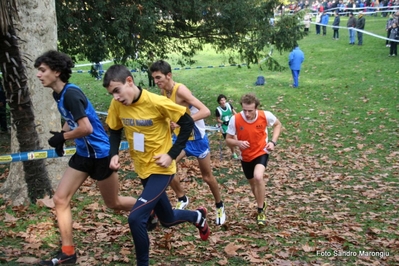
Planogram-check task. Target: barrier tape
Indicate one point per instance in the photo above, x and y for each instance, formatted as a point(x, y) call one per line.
point(355, 29)
point(50, 153)
point(44, 154)
point(176, 68)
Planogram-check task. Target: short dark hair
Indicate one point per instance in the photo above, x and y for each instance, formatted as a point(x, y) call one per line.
point(221, 96)
point(57, 61)
point(161, 66)
point(117, 73)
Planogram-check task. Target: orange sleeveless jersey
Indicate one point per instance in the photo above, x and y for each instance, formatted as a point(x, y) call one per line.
point(254, 133)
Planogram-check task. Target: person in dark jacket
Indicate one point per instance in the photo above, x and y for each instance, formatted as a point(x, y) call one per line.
point(336, 22)
point(351, 24)
point(393, 50)
point(360, 23)
point(388, 28)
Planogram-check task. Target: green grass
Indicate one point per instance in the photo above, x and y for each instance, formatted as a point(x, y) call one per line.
point(331, 183)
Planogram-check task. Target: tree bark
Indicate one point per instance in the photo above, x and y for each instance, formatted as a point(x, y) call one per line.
point(37, 115)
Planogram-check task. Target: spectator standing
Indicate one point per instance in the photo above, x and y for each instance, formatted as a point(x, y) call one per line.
point(295, 60)
point(307, 19)
point(393, 49)
point(388, 28)
point(99, 70)
point(336, 22)
point(361, 5)
point(318, 21)
point(360, 23)
point(384, 8)
point(321, 8)
point(329, 5)
point(315, 7)
point(351, 24)
point(341, 8)
point(324, 21)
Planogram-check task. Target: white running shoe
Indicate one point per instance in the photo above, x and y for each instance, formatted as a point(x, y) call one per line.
point(181, 205)
point(221, 216)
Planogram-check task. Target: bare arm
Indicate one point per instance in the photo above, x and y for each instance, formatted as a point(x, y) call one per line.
point(277, 126)
point(186, 98)
point(85, 128)
point(232, 141)
point(218, 120)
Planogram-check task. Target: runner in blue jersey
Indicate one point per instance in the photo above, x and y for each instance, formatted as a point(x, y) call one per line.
point(92, 149)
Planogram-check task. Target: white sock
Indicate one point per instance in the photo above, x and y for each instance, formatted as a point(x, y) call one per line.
point(199, 217)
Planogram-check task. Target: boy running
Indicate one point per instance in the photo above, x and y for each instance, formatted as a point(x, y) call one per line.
point(248, 131)
point(92, 149)
point(223, 114)
point(145, 118)
point(198, 144)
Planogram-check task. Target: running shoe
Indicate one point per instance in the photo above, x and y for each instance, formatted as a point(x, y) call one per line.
point(60, 259)
point(221, 216)
point(152, 221)
point(265, 206)
point(203, 225)
point(181, 205)
point(261, 219)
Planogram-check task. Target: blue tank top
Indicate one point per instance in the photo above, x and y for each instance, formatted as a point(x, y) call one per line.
point(95, 145)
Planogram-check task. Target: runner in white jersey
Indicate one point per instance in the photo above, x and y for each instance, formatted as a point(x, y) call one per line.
point(198, 144)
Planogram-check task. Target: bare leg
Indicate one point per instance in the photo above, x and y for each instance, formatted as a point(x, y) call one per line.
point(175, 183)
point(257, 184)
point(109, 189)
point(70, 182)
point(207, 176)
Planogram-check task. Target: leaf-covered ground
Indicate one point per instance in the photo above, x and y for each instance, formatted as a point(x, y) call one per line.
point(316, 216)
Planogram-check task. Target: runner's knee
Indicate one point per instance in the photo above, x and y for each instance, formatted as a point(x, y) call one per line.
point(60, 201)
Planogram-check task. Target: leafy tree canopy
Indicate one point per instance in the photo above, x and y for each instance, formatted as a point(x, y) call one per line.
point(100, 29)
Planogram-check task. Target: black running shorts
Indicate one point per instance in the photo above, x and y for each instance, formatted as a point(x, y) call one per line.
point(97, 169)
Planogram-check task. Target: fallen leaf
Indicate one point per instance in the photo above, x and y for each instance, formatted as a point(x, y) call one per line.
point(231, 249)
point(9, 218)
point(46, 201)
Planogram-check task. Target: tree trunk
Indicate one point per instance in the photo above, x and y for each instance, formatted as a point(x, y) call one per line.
point(34, 112)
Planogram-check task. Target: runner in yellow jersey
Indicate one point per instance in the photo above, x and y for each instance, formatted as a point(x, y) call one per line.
point(198, 144)
point(145, 118)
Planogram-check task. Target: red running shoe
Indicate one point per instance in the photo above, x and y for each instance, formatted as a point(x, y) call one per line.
point(203, 225)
